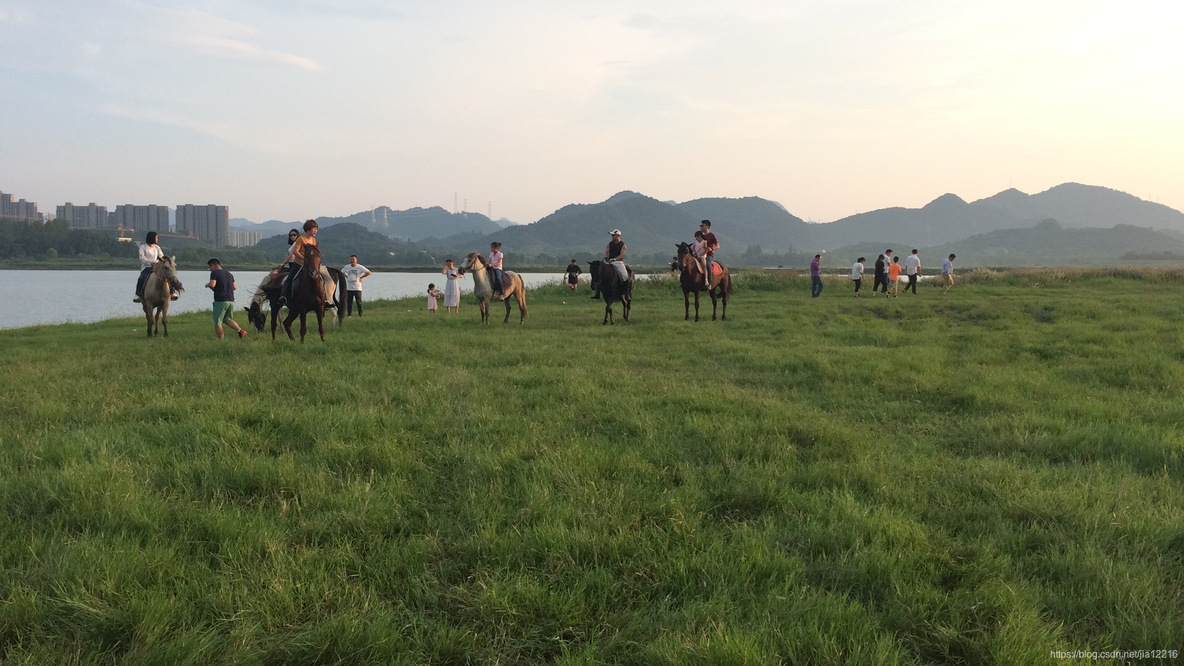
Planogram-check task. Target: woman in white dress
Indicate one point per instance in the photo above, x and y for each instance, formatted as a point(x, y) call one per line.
point(451, 287)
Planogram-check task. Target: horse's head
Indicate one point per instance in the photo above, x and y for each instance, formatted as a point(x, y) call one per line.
point(166, 269)
point(472, 261)
point(594, 273)
point(255, 316)
point(312, 258)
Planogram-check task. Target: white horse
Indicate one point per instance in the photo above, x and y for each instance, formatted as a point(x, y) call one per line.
point(483, 288)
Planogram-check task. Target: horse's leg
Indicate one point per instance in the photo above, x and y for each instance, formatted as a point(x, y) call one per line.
point(608, 310)
point(321, 322)
point(164, 318)
point(303, 327)
point(148, 316)
point(686, 305)
point(626, 304)
point(288, 323)
point(275, 315)
point(521, 304)
point(696, 306)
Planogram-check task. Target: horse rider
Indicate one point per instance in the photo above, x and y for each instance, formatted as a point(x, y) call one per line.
point(150, 253)
point(712, 244)
point(296, 257)
point(614, 255)
point(495, 270)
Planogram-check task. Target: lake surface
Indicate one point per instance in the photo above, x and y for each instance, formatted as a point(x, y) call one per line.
point(56, 297)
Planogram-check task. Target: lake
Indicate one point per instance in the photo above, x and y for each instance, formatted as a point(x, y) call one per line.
point(57, 297)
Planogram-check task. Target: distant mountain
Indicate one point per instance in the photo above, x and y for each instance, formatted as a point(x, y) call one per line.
point(413, 224)
point(1051, 244)
point(740, 223)
point(582, 230)
point(948, 218)
point(339, 240)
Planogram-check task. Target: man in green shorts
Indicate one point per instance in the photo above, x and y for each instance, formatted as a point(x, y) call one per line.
point(222, 283)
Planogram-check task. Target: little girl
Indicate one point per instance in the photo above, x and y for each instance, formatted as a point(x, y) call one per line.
point(699, 251)
point(433, 294)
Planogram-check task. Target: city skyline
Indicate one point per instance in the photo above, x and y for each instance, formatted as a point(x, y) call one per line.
point(326, 108)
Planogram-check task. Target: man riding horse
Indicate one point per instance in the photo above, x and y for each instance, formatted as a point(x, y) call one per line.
point(296, 259)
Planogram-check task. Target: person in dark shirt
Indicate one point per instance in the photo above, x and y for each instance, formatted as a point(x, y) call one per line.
point(881, 276)
point(573, 274)
point(223, 286)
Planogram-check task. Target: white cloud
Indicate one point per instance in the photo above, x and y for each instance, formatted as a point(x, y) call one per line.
point(233, 48)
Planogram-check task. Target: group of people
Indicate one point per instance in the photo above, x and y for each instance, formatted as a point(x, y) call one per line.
point(887, 274)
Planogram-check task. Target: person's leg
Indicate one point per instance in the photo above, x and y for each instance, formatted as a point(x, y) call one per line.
point(857, 286)
point(913, 282)
point(709, 262)
point(358, 296)
point(140, 282)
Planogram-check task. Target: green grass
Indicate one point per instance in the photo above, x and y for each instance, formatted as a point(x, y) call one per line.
point(978, 478)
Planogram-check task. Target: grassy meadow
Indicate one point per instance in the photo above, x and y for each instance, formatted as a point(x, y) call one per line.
point(977, 478)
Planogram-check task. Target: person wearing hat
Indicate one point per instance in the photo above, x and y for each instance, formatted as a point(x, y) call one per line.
point(150, 253)
point(614, 254)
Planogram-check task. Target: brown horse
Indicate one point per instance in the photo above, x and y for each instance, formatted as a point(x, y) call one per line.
point(308, 294)
point(158, 293)
point(269, 290)
point(691, 279)
point(483, 288)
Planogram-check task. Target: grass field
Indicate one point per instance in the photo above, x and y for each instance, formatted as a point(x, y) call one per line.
point(978, 478)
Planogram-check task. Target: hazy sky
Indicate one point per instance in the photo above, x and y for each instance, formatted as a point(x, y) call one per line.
point(292, 108)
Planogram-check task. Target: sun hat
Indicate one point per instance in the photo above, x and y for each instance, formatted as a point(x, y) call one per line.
point(615, 232)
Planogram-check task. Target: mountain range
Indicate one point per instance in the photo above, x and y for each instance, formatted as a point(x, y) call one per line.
point(758, 229)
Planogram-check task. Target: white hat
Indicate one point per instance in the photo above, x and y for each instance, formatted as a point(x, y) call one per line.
point(615, 232)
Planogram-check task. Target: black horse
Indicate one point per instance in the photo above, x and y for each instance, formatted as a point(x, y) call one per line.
point(607, 281)
point(269, 292)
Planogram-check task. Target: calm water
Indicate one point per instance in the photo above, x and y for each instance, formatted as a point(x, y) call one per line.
point(55, 297)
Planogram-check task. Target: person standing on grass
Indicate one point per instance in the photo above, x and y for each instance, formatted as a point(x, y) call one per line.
point(816, 276)
point(857, 275)
point(887, 264)
point(710, 244)
point(573, 274)
point(912, 268)
point(451, 286)
point(881, 275)
point(223, 286)
point(433, 294)
point(354, 274)
point(947, 273)
point(893, 276)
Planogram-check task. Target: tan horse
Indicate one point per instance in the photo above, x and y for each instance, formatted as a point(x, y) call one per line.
point(483, 288)
point(158, 293)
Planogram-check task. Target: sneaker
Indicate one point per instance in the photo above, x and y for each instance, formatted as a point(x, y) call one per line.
point(136, 299)
point(174, 297)
point(242, 334)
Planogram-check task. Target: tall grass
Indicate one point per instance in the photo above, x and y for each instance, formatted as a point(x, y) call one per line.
point(977, 478)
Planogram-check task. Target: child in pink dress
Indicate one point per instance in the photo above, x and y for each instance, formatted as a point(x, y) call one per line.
point(433, 294)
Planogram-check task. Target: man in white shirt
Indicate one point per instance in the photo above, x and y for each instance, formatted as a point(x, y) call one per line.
point(912, 268)
point(947, 273)
point(354, 274)
point(857, 275)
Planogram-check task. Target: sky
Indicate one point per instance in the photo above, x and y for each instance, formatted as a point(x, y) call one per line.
point(289, 109)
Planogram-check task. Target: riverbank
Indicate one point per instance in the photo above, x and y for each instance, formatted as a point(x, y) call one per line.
point(983, 477)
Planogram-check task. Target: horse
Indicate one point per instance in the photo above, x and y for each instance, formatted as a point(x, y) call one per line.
point(607, 282)
point(483, 288)
point(308, 294)
point(269, 292)
point(158, 293)
point(691, 279)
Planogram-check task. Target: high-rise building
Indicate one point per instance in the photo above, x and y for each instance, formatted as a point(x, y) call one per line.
point(210, 223)
point(19, 210)
point(244, 238)
point(141, 218)
point(91, 216)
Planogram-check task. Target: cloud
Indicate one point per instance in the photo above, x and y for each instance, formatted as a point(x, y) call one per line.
point(233, 48)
